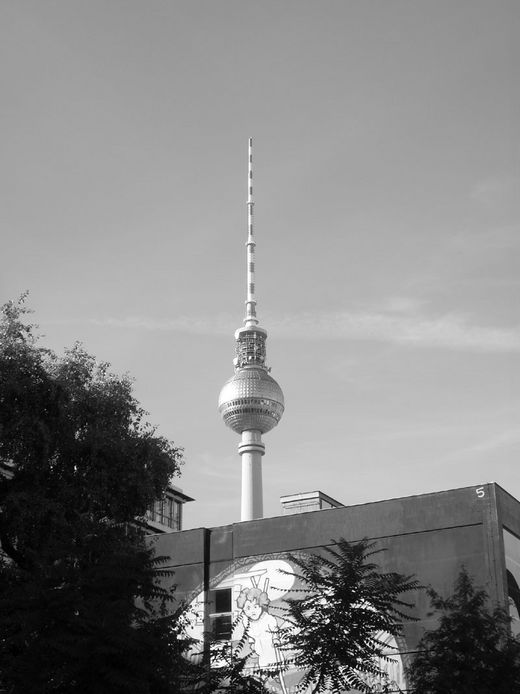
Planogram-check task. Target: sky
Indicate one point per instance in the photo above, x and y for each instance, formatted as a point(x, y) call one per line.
point(387, 220)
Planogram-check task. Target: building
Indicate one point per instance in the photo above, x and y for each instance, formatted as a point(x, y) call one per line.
point(165, 516)
point(431, 536)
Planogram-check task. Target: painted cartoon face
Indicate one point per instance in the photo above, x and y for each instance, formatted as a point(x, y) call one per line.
point(252, 609)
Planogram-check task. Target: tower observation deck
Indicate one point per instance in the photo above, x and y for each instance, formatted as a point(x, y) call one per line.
point(251, 402)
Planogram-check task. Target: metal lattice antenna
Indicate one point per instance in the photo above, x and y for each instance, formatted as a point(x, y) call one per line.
point(250, 320)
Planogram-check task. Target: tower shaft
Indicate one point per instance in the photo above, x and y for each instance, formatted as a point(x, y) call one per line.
point(251, 449)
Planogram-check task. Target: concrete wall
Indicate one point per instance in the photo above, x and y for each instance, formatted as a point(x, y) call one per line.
point(430, 536)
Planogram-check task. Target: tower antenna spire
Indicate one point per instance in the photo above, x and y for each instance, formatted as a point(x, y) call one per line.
point(250, 319)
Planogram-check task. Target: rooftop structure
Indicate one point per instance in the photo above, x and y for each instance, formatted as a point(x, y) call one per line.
point(165, 515)
point(251, 401)
point(307, 501)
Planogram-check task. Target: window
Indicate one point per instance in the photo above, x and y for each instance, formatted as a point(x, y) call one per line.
point(166, 511)
point(221, 615)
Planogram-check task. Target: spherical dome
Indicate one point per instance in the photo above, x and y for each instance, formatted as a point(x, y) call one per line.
point(251, 400)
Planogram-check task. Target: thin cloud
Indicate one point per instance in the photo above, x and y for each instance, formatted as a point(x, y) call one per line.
point(450, 331)
point(401, 304)
point(504, 439)
point(499, 238)
point(497, 192)
point(214, 325)
point(219, 467)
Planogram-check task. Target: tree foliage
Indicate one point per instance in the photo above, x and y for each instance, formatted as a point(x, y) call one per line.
point(471, 651)
point(77, 582)
point(227, 672)
point(338, 627)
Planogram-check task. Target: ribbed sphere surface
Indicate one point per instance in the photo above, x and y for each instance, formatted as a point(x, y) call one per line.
point(251, 400)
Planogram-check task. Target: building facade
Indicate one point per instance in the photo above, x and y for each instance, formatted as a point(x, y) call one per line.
point(430, 536)
point(165, 516)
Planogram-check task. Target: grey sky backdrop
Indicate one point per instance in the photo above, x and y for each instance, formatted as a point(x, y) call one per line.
point(387, 216)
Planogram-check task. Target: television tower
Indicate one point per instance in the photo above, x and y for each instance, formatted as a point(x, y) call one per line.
point(251, 402)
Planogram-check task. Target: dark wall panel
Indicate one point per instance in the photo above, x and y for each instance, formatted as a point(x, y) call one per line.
point(376, 520)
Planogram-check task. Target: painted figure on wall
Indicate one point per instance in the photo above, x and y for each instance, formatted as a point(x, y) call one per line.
point(257, 613)
point(256, 608)
point(261, 593)
point(260, 626)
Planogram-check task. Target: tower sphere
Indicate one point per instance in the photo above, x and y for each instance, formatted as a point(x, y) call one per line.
point(251, 400)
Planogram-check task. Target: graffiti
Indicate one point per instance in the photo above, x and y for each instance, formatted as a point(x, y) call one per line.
point(260, 627)
point(261, 596)
point(512, 553)
point(252, 598)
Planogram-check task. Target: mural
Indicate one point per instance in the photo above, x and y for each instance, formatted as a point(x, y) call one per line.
point(512, 553)
point(247, 603)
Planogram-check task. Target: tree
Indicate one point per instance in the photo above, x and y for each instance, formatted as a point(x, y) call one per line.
point(227, 672)
point(78, 584)
point(337, 628)
point(471, 651)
